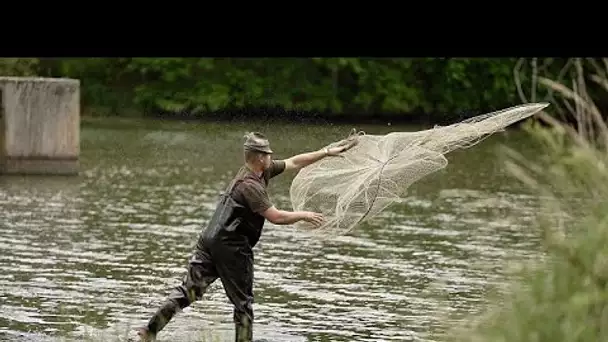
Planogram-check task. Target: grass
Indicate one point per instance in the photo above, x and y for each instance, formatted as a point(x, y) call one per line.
point(564, 297)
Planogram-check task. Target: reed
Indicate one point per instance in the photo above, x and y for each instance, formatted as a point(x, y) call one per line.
point(564, 296)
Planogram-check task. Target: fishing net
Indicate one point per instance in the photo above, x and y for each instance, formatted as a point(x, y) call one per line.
point(357, 185)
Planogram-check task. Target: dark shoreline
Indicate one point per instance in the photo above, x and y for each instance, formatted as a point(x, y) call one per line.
point(282, 116)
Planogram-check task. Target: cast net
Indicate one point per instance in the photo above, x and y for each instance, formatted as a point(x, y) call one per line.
point(360, 183)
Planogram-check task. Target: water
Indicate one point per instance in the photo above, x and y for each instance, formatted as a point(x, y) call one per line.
point(92, 256)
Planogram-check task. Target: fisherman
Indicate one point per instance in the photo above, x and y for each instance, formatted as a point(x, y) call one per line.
point(224, 248)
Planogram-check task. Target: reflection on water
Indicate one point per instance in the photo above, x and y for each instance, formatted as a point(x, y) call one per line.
point(100, 251)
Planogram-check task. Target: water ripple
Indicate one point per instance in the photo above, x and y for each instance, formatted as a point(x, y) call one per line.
point(101, 251)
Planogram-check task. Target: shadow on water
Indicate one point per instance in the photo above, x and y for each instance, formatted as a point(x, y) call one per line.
point(96, 254)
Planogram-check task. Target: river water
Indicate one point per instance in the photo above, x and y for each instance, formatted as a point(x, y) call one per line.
point(90, 257)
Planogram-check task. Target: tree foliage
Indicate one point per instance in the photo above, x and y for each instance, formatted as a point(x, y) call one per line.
point(402, 88)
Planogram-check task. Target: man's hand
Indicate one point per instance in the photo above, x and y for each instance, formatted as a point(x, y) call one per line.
point(342, 146)
point(316, 219)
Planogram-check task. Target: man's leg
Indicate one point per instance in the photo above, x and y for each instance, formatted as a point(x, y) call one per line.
point(236, 273)
point(201, 274)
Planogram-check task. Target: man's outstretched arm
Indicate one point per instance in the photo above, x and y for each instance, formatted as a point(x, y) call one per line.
point(302, 160)
point(257, 200)
point(299, 161)
point(283, 217)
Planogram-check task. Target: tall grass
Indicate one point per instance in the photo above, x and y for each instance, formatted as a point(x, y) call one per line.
point(564, 296)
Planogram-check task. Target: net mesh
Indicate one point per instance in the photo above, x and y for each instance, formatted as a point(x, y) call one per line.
point(360, 183)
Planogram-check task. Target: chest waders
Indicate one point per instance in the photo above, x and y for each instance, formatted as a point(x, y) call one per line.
point(223, 250)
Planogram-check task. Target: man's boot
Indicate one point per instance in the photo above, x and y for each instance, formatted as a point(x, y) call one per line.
point(143, 335)
point(243, 330)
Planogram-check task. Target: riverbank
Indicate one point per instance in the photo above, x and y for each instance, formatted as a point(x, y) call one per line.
point(283, 116)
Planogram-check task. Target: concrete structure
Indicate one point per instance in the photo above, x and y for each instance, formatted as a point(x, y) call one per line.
point(39, 125)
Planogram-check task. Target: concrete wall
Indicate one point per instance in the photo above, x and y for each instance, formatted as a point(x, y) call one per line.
point(41, 125)
point(2, 131)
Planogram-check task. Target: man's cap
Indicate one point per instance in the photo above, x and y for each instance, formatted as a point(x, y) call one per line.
point(255, 141)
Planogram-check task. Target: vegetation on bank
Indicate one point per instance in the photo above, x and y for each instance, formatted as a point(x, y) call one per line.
point(564, 297)
point(433, 90)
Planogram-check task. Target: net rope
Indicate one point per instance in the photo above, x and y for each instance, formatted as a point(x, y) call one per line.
point(357, 185)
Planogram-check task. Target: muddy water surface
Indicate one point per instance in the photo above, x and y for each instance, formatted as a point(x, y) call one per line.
point(89, 257)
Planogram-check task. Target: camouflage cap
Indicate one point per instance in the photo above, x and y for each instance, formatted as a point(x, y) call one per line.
point(255, 141)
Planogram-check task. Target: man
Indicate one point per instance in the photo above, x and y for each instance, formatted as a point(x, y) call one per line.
point(224, 248)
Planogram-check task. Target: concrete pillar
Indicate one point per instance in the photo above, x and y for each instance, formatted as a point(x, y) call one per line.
point(39, 125)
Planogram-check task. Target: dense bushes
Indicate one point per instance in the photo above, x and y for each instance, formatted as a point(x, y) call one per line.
point(401, 89)
point(406, 88)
